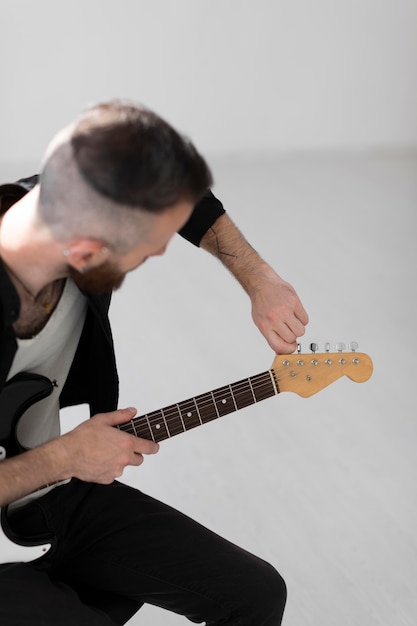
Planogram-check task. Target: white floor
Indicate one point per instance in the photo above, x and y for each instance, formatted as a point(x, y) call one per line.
point(325, 487)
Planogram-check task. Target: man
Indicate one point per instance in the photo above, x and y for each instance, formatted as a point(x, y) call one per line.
point(115, 186)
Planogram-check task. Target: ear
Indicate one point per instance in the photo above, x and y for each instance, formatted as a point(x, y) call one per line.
point(85, 254)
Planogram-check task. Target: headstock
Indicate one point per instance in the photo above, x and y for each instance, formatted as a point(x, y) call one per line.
point(306, 374)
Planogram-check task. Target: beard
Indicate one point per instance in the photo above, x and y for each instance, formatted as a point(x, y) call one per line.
point(103, 279)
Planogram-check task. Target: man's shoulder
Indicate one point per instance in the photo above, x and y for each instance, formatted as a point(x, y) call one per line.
point(12, 192)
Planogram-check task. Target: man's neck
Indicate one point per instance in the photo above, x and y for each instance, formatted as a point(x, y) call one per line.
point(27, 249)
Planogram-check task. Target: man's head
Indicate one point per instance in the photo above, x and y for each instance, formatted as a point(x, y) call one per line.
point(114, 188)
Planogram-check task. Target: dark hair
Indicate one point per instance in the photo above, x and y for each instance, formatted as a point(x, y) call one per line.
point(129, 154)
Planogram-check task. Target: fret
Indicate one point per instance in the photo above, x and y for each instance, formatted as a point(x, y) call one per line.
point(173, 420)
point(224, 400)
point(242, 394)
point(232, 396)
point(251, 388)
point(263, 387)
point(149, 426)
point(165, 422)
point(132, 422)
point(158, 426)
point(179, 413)
point(214, 404)
point(138, 426)
point(189, 413)
point(206, 407)
point(198, 410)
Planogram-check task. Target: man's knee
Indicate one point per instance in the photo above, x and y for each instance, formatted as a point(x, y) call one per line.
point(271, 596)
point(262, 596)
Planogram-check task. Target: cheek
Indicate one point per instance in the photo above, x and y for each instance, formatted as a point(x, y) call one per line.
point(134, 261)
point(133, 264)
point(161, 251)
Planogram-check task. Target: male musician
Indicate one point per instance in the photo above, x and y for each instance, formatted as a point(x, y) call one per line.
point(115, 186)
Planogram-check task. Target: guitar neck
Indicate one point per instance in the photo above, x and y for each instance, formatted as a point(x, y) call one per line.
point(178, 418)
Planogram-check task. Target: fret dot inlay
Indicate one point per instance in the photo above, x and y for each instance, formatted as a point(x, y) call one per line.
point(189, 414)
point(223, 401)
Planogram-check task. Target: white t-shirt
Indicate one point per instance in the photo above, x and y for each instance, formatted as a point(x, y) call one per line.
point(50, 353)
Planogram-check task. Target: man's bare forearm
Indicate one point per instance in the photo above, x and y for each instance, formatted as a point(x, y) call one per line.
point(31, 470)
point(276, 309)
point(94, 451)
point(225, 241)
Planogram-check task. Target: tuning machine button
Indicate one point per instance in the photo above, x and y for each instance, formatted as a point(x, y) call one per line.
point(353, 346)
point(327, 347)
point(313, 347)
point(340, 346)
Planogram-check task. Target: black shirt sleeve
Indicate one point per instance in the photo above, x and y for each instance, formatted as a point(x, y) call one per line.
point(12, 192)
point(204, 215)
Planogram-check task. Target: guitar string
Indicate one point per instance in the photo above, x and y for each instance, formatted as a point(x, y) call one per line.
point(175, 418)
point(172, 414)
point(205, 400)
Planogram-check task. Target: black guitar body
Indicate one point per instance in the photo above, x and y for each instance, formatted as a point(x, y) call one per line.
point(18, 394)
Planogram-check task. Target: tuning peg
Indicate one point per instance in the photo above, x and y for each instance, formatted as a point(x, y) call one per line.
point(340, 346)
point(327, 347)
point(298, 348)
point(353, 346)
point(313, 347)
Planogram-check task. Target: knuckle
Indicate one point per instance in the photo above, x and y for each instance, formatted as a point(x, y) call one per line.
point(124, 460)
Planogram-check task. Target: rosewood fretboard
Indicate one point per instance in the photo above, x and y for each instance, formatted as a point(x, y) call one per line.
point(178, 418)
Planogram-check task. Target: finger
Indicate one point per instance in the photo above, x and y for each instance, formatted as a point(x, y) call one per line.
point(280, 345)
point(145, 446)
point(121, 416)
point(301, 313)
point(137, 459)
point(284, 332)
point(296, 328)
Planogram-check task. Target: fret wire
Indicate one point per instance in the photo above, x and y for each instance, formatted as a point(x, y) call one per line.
point(215, 405)
point(165, 422)
point(180, 414)
point(198, 412)
point(233, 397)
point(130, 428)
point(254, 398)
point(149, 426)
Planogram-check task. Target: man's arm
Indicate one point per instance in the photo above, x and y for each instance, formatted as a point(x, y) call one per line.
point(94, 451)
point(276, 309)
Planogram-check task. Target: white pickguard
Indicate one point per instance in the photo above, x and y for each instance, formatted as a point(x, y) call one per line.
point(11, 552)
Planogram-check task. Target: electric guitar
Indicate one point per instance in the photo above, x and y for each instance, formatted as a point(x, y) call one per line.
point(303, 374)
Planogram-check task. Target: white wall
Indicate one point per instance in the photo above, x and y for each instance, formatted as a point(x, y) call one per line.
point(233, 74)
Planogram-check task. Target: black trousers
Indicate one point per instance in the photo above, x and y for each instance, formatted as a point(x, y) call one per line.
point(117, 549)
